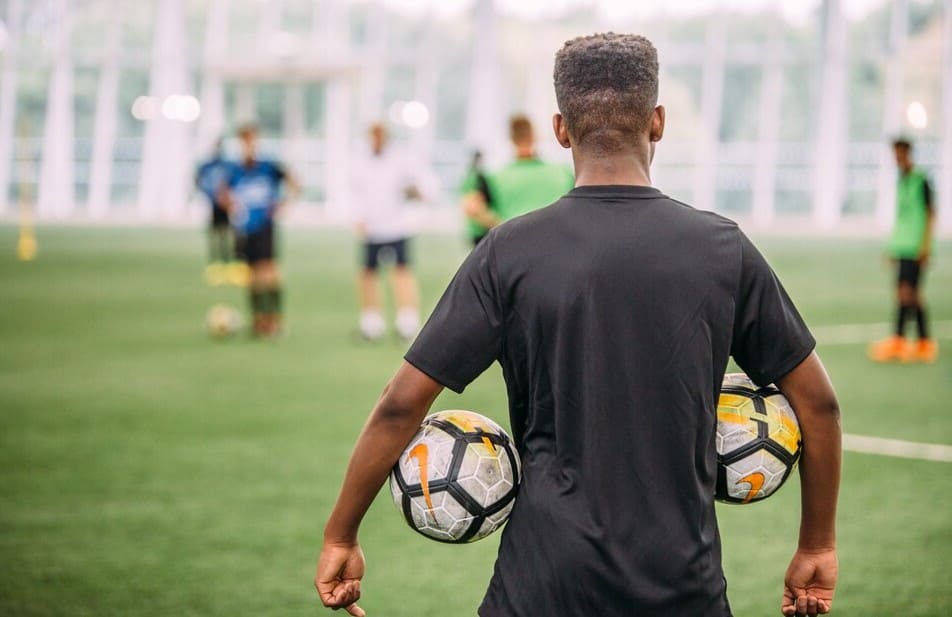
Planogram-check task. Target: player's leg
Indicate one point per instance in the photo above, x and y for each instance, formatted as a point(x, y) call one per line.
point(218, 251)
point(239, 274)
point(249, 248)
point(894, 347)
point(372, 325)
point(925, 349)
point(269, 278)
point(406, 293)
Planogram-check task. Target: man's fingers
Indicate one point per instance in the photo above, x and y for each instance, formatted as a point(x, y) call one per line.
point(802, 604)
point(341, 594)
point(355, 610)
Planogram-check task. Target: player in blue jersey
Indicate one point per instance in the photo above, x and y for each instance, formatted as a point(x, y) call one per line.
point(223, 267)
point(256, 190)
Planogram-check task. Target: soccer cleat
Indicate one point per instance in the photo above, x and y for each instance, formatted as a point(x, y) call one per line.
point(238, 274)
point(887, 350)
point(372, 326)
point(923, 350)
point(215, 274)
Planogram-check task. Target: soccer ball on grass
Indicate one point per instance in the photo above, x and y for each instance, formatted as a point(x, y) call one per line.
point(222, 321)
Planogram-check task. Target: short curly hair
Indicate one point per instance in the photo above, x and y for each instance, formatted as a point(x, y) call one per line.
point(606, 86)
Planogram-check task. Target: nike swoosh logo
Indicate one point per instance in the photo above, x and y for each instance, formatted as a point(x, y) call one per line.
point(756, 482)
point(421, 452)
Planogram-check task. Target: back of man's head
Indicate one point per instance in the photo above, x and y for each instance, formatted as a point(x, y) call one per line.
point(520, 130)
point(606, 86)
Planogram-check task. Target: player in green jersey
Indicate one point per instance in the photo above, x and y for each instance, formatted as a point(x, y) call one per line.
point(910, 247)
point(524, 185)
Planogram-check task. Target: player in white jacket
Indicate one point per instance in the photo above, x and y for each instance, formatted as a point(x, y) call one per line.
point(385, 180)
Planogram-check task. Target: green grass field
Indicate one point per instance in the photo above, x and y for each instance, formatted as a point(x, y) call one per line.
point(148, 470)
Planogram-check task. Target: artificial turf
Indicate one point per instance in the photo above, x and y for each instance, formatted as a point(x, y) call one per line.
point(146, 469)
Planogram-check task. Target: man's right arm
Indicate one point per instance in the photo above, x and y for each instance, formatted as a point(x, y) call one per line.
point(810, 580)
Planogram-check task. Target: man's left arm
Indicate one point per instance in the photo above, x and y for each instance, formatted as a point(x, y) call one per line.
point(925, 250)
point(394, 420)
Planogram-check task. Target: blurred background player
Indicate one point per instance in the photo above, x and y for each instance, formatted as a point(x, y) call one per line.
point(525, 184)
point(385, 179)
point(253, 197)
point(909, 247)
point(211, 178)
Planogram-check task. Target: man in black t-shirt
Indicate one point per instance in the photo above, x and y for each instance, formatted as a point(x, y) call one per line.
point(613, 313)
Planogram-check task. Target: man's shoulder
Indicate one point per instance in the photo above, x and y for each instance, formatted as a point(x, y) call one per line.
point(670, 213)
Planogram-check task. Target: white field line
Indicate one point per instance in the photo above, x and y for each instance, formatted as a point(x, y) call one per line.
point(898, 448)
point(852, 334)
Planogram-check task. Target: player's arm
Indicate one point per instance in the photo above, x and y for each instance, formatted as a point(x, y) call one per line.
point(930, 223)
point(292, 188)
point(476, 209)
point(811, 577)
point(394, 420)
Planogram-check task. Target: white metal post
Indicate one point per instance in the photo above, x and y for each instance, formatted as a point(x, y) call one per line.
point(485, 105)
point(104, 127)
point(425, 91)
point(331, 38)
point(892, 114)
point(8, 98)
point(944, 186)
point(212, 121)
point(374, 68)
point(294, 126)
point(712, 96)
point(829, 187)
point(166, 153)
point(55, 197)
point(768, 127)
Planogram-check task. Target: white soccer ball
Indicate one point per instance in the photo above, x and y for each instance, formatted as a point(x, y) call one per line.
point(758, 440)
point(222, 321)
point(457, 480)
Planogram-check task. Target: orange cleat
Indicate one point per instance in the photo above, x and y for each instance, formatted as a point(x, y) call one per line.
point(923, 350)
point(888, 350)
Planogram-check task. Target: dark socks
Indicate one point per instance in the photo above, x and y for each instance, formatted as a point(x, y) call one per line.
point(266, 309)
point(921, 323)
point(901, 314)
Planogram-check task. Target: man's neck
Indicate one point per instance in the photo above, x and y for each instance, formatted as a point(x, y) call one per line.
point(622, 168)
point(525, 153)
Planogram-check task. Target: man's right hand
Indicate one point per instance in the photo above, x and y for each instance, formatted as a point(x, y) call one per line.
point(810, 582)
point(337, 580)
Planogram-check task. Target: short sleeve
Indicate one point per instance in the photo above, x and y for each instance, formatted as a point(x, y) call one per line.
point(464, 334)
point(927, 195)
point(770, 337)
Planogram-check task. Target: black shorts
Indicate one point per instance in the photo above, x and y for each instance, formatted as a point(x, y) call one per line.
point(909, 271)
point(219, 218)
point(374, 250)
point(256, 246)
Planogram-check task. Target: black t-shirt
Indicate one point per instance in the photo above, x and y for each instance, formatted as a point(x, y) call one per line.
point(613, 313)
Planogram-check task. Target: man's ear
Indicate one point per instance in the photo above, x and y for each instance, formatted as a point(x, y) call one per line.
point(561, 132)
point(657, 124)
